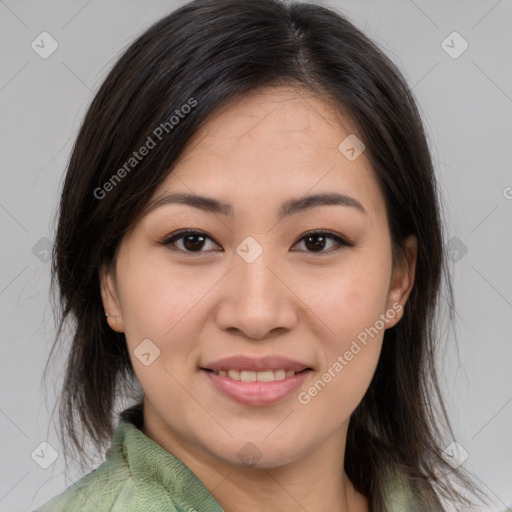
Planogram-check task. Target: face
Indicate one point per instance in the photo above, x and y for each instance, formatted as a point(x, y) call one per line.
point(301, 315)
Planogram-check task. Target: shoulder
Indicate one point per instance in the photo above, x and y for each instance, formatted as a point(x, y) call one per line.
point(114, 486)
point(111, 488)
point(97, 491)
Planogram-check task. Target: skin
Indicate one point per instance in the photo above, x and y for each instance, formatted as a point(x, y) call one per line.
point(198, 306)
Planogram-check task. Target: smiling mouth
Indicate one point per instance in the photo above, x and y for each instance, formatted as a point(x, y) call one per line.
point(256, 388)
point(256, 376)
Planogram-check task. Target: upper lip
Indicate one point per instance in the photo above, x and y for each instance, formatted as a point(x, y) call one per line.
point(247, 363)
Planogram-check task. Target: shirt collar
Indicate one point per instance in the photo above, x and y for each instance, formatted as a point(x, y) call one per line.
point(151, 465)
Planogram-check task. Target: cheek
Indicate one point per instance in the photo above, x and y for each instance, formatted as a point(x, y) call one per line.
point(336, 392)
point(350, 298)
point(161, 304)
point(351, 306)
point(158, 296)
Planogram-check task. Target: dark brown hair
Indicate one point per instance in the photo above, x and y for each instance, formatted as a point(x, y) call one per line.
point(210, 52)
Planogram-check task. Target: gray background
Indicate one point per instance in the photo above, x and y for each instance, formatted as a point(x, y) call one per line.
point(466, 103)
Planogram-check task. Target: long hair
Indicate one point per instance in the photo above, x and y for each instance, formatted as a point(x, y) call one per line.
point(203, 54)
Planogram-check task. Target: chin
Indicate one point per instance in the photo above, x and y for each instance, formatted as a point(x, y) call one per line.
point(257, 453)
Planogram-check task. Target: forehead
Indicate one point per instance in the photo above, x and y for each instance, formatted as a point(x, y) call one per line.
point(279, 119)
point(275, 141)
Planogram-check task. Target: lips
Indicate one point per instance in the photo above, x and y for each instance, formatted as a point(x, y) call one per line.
point(256, 381)
point(252, 364)
point(261, 376)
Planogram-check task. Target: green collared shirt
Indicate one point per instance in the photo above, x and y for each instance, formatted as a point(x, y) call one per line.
point(139, 475)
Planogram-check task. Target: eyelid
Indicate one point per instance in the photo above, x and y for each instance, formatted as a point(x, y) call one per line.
point(177, 235)
point(340, 240)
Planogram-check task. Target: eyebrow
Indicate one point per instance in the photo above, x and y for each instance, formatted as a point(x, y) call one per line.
point(290, 207)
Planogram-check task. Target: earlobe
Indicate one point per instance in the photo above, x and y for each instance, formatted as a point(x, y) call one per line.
point(110, 300)
point(402, 280)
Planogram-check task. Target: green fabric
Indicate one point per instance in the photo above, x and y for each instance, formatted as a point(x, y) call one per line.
point(139, 475)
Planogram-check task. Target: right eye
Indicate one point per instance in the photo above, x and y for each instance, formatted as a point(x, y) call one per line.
point(192, 241)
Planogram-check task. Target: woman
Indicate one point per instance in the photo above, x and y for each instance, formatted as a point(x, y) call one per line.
point(249, 229)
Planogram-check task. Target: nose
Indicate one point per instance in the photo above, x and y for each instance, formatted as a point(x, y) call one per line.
point(257, 302)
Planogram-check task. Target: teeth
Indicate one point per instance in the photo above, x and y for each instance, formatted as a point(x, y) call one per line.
point(281, 374)
point(246, 376)
point(234, 374)
point(250, 376)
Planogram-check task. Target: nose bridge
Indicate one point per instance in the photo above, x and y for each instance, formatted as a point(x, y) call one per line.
point(258, 301)
point(256, 272)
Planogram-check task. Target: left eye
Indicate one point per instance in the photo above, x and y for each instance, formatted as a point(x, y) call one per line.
point(193, 241)
point(322, 236)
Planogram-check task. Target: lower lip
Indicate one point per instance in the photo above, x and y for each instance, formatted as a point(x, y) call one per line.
point(257, 393)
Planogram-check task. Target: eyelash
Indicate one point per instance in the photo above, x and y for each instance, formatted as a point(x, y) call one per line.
point(174, 237)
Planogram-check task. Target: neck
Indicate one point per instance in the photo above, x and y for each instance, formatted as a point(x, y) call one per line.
point(300, 486)
point(316, 482)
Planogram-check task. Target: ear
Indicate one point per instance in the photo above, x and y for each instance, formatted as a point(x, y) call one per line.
point(110, 299)
point(402, 280)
